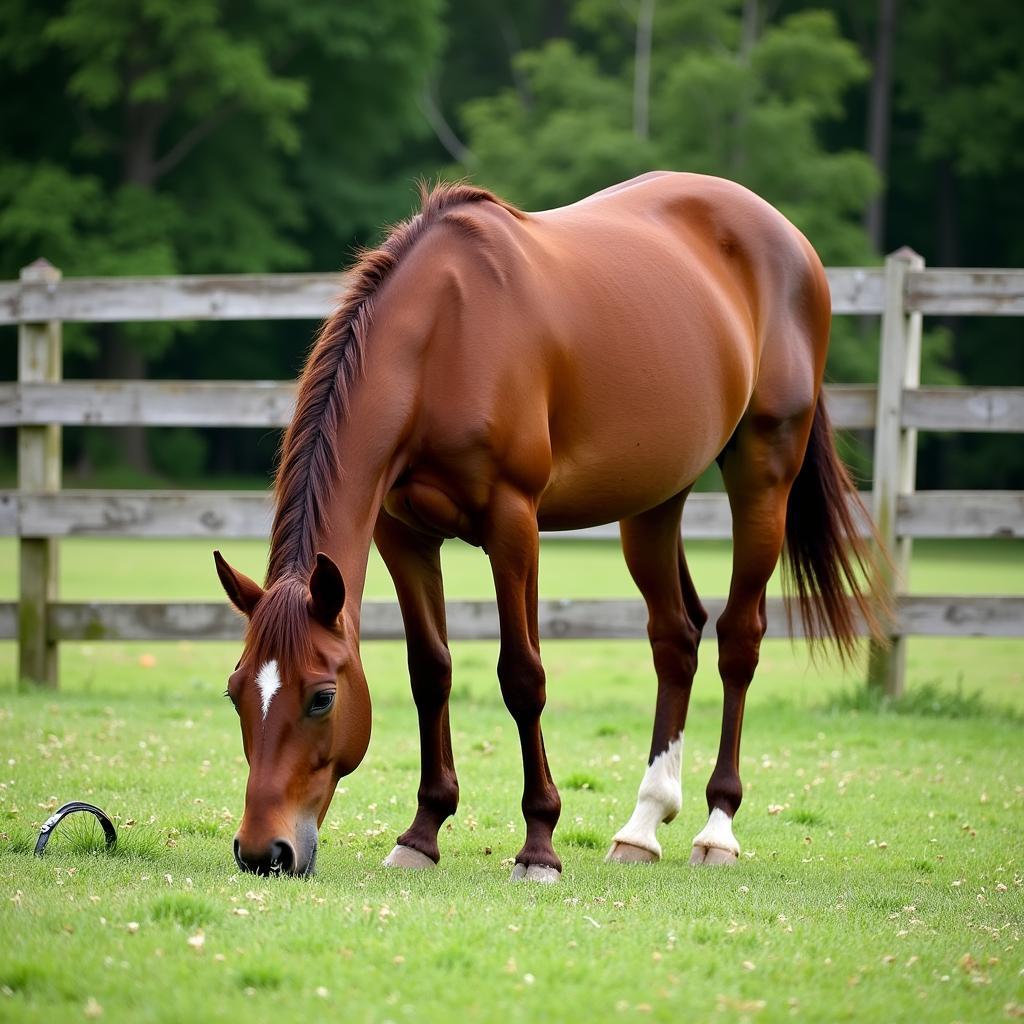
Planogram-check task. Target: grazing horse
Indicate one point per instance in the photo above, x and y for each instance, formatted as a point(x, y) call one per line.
point(491, 373)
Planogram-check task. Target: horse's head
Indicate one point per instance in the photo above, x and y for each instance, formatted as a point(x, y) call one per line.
point(302, 701)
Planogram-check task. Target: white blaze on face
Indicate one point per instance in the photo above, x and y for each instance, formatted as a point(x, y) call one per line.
point(268, 679)
point(659, 798)
point(717, 833)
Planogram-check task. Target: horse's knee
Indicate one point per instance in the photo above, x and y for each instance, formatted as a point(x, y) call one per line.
point(430, 674)
point(522, 680)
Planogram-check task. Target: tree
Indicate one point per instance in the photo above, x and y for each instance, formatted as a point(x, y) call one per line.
point(189, 135)
point(725, 98)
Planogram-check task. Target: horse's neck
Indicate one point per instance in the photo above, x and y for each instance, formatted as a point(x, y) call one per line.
point(369, 446)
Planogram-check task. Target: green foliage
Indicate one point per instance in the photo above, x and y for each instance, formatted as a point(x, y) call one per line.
point(181, 453)
point(202, 137)
point(960, 72)
point(571, 139)
point(753, 114)
point(194, 136)
point(928, 700)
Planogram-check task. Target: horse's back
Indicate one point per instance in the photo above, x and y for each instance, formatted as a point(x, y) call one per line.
point(604, 353)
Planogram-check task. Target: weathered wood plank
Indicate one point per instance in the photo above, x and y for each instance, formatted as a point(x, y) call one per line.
point(894, 463)
point(992, 616)
point(40, 358)
point(953, 615)
point(239, 514)
point(146, 514)
point(966, 292)
point(269, 297)
point(242, 403)
point(953, 514)
point(856, 289)
point(151, 403)
point(223, 297)
point(970, 409)
point(381, 620)
point(851, 406)
point(8, 620)
point(270, 404)
point(246, 514)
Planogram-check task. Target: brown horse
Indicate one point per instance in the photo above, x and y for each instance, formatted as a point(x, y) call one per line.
point(493, 372)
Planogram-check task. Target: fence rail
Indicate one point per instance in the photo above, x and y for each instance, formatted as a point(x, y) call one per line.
point(855, 290)
point(247, 514)
point(39, 512)
point(75, 403)
point(936, 615)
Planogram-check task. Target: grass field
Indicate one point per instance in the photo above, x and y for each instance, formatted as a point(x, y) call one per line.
point(882, 875)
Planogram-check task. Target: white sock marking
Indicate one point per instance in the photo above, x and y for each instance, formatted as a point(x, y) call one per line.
point(658, 799)
point(268, 679)
point(717, 833)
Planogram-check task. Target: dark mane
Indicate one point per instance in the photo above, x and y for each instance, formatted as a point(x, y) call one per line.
point(309, 455)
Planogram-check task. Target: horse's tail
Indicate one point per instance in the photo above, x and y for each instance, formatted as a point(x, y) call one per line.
point(825, 556)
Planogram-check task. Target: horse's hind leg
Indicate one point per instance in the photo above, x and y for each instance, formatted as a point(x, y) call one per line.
point(654, 554)
point(759, 468)
point(413, 559)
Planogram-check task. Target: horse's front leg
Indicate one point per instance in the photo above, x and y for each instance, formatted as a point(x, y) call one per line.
point(414, 561)
point(513, 546)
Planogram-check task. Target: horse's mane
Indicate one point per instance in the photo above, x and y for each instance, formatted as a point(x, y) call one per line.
point(309, 462)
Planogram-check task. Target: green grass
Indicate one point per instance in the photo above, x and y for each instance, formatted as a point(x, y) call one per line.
point(883, 844)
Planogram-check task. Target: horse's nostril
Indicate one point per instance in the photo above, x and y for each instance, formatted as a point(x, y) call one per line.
point(276, 859)
point(282, 856)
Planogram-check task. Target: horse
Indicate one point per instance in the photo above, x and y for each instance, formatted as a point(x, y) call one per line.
point(491, 373)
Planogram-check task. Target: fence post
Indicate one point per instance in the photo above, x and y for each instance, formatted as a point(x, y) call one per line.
point(895, 460)
point(39, 466)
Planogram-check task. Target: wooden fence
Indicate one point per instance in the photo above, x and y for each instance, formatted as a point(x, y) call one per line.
point(40, 512)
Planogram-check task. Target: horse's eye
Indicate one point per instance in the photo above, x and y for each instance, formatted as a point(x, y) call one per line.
point(322, 702)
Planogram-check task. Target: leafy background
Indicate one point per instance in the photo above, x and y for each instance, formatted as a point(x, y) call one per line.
point(196, 136)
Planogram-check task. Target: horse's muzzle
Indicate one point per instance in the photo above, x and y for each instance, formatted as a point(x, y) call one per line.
point(280, 856)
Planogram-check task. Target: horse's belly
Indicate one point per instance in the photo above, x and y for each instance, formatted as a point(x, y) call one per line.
point(616, 467)
point(638, 426)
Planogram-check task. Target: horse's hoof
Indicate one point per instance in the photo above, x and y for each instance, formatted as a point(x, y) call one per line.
point(712, 856)
point(535, 873)
point(627, 853)
point(407, 857)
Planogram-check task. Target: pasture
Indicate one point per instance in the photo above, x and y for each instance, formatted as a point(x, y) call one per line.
point(882, 874)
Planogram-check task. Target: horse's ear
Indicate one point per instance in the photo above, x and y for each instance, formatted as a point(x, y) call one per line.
point(327, 591)
point(242, 592)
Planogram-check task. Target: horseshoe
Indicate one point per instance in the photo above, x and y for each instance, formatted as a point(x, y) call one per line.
point(73, 808)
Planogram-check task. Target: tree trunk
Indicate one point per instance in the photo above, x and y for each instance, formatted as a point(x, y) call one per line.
point(642, 69)
point(749, 30)
point(879, 120)
point(121, 358)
